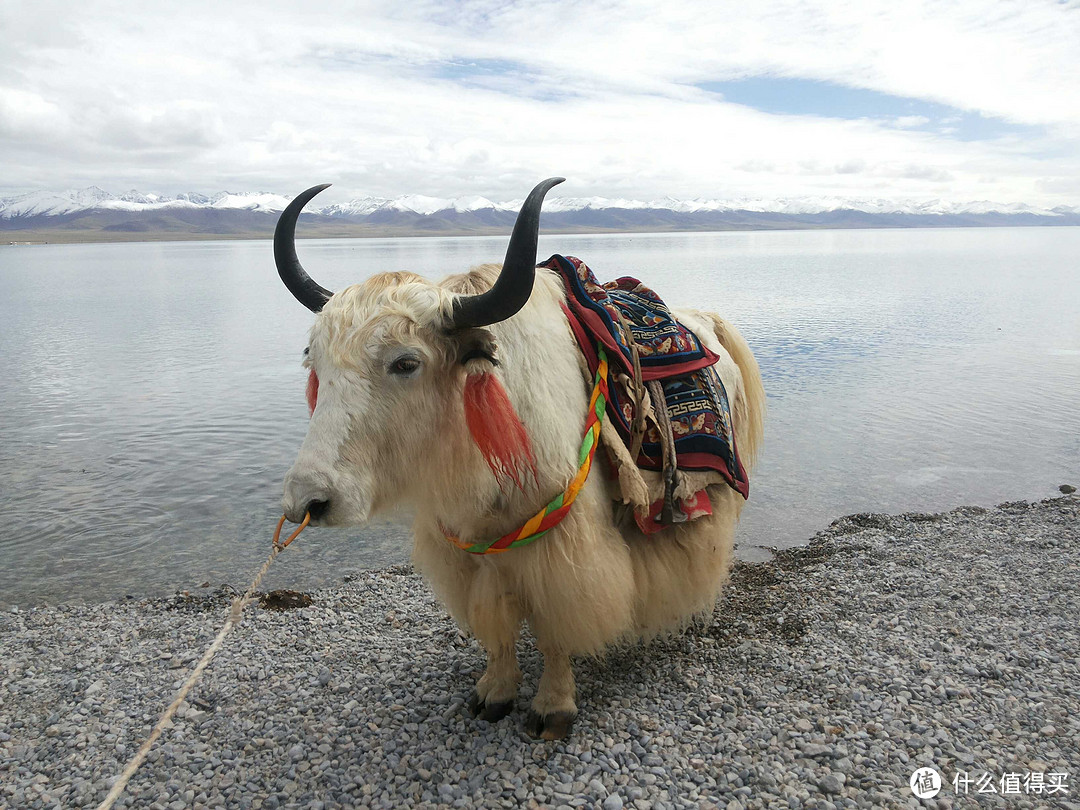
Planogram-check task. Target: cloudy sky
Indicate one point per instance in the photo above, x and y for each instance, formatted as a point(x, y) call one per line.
point(961, 100)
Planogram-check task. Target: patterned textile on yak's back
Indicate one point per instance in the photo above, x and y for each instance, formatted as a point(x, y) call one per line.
point(666, 347)
point(697, 402)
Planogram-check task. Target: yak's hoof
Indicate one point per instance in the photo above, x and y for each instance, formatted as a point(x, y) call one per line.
point(554, 726)
point(489, 711)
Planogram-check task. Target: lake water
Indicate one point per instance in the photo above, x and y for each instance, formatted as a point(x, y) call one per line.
point(151, 395)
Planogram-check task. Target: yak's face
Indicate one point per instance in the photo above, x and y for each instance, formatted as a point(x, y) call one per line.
point(390, 358)
point(384, 376)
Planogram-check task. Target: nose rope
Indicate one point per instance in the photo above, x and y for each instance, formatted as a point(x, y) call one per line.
point(233, 619)
point(300, 528)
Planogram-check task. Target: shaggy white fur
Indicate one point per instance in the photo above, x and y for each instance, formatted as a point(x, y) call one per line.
point(379, 437)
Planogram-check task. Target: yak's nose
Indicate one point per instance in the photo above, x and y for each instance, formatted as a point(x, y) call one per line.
point(317, 509)
point(305, 495)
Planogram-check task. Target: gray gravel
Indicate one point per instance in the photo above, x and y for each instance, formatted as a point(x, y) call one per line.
point(825, 678)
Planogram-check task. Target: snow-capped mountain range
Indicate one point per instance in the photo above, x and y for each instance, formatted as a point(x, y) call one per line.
point(74, 201)
point(92, 213)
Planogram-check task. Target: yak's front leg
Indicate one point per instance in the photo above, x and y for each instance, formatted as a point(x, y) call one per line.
point(553, 709)
point(495, 618)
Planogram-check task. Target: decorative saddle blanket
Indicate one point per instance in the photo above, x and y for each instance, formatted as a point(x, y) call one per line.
point(697, 403)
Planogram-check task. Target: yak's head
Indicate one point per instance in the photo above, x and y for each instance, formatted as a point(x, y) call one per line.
point(396, 364)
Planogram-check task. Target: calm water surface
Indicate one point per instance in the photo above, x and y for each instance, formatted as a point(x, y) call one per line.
point(151, 395)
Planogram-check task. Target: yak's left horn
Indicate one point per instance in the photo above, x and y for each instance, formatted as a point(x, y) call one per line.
point(300, 284)
point(514, 285)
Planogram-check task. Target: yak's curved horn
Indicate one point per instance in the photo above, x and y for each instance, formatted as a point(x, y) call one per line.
point(514, 285)
point(300, 284)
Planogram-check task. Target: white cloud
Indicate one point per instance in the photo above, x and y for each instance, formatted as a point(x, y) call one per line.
point(485, 98)
point(27, 116)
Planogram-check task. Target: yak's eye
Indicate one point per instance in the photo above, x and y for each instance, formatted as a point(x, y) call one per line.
point(404, 366)
point(307, 350)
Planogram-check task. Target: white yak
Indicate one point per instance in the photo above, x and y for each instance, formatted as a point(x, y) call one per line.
point(391, 360)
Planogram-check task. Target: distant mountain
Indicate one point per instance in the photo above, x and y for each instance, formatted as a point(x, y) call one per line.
point(92, 214)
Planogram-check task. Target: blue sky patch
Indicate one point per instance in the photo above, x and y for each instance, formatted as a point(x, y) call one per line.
point(497, 75)
point(500, 75)
point(784, 96)
point(464, 71)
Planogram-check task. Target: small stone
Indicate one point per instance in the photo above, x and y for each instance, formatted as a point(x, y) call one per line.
point(296, 753)
point(452, 709)
point(324, 677)
point(613, 802)
point(804, 725)
point(1048, 731)
point(1067, 489)
point(830, 783)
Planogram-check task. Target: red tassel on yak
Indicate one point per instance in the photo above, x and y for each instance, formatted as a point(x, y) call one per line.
point(312, 391)
point(496, 429)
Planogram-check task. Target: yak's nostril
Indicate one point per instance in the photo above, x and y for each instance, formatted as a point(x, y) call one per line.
point(317, 509)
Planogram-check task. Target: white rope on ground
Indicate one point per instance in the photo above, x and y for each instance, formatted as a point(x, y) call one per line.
point(237, 608)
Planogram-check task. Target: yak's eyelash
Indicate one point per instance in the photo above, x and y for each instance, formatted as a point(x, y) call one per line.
point(404, 365)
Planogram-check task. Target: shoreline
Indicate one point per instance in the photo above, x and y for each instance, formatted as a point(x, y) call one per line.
point(37, 238)
point(825, 677)
point(44, 236)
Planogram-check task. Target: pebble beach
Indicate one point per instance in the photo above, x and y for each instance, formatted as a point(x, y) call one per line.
point(824, 679)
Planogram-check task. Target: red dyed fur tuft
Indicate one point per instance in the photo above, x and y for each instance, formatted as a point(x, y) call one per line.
point(497, 430)
point(312, 391)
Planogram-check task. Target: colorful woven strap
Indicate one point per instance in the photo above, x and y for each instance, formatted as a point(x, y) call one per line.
point(546, 519)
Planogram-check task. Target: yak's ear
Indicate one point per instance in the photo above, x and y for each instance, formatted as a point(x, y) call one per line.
point(476, 351)
point(491, 419)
